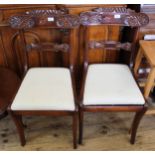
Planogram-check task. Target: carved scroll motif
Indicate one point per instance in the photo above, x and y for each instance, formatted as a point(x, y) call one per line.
point(49, 47)
point(53, 18)
point(111, 45)
point(68, 21)
point(116, 15)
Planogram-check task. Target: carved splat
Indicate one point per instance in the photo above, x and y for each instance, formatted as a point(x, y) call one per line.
point(111, 45)
point(52, 18)
point(49, 47)
point(114, 16)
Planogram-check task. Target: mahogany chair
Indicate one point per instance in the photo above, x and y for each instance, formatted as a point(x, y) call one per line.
point(47, 91)
point(9, 84)
point(111, 87)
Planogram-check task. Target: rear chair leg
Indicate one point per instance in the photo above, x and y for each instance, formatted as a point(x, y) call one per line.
point(135, 124)
point(24, 125)
point(80, 126)
point(75, 117)
point(19, 125)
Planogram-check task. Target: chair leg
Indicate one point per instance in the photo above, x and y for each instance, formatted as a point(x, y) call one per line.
point(21, 120)
point(3, 115)
point(24, 125)
point(75, 130)
point(80, 126)
point(19, 125)
point(135, 124)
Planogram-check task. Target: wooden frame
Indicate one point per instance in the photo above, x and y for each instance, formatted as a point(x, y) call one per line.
point(58, 19)
point(111, 16)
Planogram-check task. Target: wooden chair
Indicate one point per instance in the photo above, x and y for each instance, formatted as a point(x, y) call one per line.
point(111, 87)
point(9, 84)
point(47, 91)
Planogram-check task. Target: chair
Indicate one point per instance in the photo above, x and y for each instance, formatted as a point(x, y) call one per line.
point(9, 84)
point(111, 87)
point(45, 91)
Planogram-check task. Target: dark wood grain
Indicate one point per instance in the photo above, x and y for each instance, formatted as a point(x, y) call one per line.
point(11, 50)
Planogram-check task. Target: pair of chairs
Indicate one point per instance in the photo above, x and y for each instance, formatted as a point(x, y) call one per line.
point(105, 87)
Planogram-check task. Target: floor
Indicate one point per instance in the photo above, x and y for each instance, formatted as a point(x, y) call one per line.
point(102, 131)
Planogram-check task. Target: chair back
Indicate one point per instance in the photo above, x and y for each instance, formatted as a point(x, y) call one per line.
point(57, 19)
point(120, 27)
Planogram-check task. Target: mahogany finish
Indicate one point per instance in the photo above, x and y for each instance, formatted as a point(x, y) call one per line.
point(54, 18)
point(40, 19)
point(114, 16)
point(98, 17)
point(11, 50)
point(11, 55)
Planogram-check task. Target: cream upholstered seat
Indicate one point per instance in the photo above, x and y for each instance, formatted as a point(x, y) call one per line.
point(45, 89)
point(111, 84)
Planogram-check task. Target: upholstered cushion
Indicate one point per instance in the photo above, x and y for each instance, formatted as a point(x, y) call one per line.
point(111, 84)
point(45, 89)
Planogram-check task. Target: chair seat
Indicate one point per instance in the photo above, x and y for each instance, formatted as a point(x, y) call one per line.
point(111, 84)
point(45, 89)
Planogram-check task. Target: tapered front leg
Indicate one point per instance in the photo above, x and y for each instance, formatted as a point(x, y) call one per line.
point(80, 126)
point(136, 121)
point(19, 125)
point(75, 118)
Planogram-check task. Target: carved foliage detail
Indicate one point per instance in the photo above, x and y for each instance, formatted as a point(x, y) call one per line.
point(21, 22)
point(116, 15)
point(136, 19)
point(68, 21)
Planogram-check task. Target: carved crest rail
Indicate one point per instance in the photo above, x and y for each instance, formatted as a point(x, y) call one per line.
point(52, 18)
point(116, 15)
point(61, 18)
